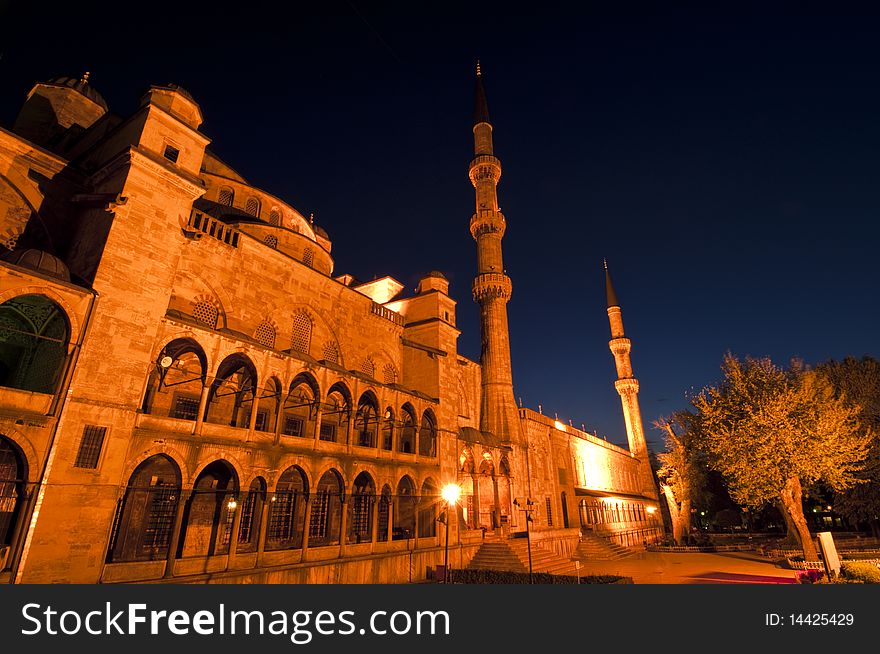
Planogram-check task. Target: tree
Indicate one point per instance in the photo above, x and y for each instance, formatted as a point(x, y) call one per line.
point(682, 470)
point(770, 432)
point(859, 382)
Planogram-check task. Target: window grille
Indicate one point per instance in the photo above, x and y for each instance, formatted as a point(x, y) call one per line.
point(262, 421)
point(272, 241)
point(90, 447)
point(389, 374)
point(206, 314)
point(252, 206)
point(360, 519)
point(320, 515)
point(302, 332)
point(549, 512)
point(227, 196)
point(160, 517)
point(247, 517)
point(293, 426)
point(309, 257)
point(281, 520)
point(275, 216)
point(328, 432)
point(185, 408)
point(331, 352)
point(265, 334)
point(368, 367)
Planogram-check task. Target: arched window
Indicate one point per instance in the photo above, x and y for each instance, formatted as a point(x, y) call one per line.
point(466, 461)
point(363, 496)
point(302, 332)
point(388, 429)
point(389, 374)
point(407, 441)
point(300, 406)
point(145, 516)
point(13, 481)
point(331, 352)
point(231, 398)
point(336, 414)
point(326, 514)
point(368, 367)
point(272, 241)
point(428, 435)
point(251, 506)
point(287, 511)
point(175, 385)
point(309, 257)
point(504, 466)
point(404, 510)
point(275, 216)
point(366, 421)
point(252, 206)
point(265, 334)
point(428, 509)
point(33, 343)
point(206, 313)
point(226, 197)
point(384, 506)
point(207, 523)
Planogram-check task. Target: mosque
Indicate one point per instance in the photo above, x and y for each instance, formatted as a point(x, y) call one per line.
point(191, 392)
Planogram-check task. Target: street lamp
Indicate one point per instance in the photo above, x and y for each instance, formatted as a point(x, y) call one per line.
point(528, 506)
point(450, 493)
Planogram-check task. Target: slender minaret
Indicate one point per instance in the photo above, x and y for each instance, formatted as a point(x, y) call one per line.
point(628, 388)
point(491, 287)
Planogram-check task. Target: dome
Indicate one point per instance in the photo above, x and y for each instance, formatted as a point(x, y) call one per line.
point(182, 91)
point(436, 273)
point(38, 261)
point(82, 85)
point(320, 231)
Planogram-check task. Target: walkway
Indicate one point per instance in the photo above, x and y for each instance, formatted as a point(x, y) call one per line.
point(694, 568)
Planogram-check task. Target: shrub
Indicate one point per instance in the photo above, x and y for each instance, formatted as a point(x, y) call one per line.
point(468, 576)
point(861, 571)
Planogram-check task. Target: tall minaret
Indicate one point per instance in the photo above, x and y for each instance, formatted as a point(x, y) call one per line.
point(491, 287)
point(628, 388)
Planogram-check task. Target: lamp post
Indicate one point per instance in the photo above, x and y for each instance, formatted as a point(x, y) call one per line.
point(528, 507)
point(451, 493)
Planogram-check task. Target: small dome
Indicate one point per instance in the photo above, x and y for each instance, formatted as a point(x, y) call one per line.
point(436, 273)
point(38, 261)
point(82, 85)
point(320, 231)
point(182, 91)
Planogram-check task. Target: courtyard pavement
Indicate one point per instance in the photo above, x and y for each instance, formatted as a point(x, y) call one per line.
point(694, 568)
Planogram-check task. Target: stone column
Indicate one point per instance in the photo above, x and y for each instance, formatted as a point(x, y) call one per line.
point(390, 519)
point(233, 536)
point(255, 409)
point(279, 422)
point(307, 518)
point(203, 404)
point(497, 510)
point(318, 415)
point(417, 511)
point(343, 524)
point(262, 529)
point(374, 524)
point(476, 486)
point(175, 533)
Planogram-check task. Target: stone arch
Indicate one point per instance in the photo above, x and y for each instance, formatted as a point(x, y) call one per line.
point(360, 511)
point(327, 507)
point(336, 413)
point(209, 512)
point(405, 505)
point(51, 294)
point(287, 508)
point(428, 434)
point(366, 420)
point(190, 283)
point(14, 477)
point(466, 461)
point(233, 391)
point(406, 441)
point(175, 382)
point(251, 503)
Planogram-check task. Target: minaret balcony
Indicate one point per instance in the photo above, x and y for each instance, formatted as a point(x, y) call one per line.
point(488, 286)
point(485, 166)
point(620, 346)
point(628, 386)
point(488, 222)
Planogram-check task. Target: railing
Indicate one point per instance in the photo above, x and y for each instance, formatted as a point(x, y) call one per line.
point(383, 312)
point(213, 228)
point(632, 537)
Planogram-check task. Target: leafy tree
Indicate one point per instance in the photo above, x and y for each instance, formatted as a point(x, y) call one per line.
point(859, 382)
point(682, 470)
point(770, 432)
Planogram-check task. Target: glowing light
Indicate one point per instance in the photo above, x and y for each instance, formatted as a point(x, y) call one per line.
point(559, 426)
point(651, 509)
point(232, 504)
point(451, 493)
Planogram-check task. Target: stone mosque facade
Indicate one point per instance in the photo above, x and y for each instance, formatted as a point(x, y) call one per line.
point(171, 410)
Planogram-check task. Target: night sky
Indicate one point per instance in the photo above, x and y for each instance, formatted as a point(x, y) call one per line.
point(725, 163)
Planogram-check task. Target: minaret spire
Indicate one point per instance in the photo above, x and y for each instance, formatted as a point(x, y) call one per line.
point(628, 388)
point(492, 287)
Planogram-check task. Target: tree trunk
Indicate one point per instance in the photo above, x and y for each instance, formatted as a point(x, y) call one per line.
point(790, 529)
point(674, 513)
point(791, 497)
point(686, 520)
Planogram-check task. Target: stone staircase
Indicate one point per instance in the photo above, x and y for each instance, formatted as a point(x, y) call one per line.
point(596, 548)
point(513, 555)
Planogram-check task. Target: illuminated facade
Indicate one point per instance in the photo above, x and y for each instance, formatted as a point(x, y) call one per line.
point(191, 393)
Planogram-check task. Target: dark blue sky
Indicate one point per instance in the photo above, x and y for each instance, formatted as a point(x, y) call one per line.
point(724, 161)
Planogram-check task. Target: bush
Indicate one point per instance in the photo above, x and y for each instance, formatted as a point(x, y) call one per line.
point(504, 577)
point(861, 571)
